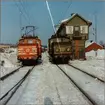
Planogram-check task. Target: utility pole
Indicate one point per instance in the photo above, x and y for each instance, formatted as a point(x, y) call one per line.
point(0, 41)
point(95, 31)
point(0, 21)
point(20, 15)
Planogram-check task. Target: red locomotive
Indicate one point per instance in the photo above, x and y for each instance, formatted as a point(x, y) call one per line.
point(29, 47)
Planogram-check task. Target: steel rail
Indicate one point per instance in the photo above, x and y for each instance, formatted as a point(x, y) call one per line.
point(81, 90)
point(15, 87)
point(91, 75)
point(9, 74)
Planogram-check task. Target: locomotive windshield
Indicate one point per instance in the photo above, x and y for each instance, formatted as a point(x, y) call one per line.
point(30, 41)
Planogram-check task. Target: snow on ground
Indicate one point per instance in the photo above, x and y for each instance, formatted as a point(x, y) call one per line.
point(94, 89)
point(7, 61)
point(46, 85)
point(6, 70)
point(92, 54)
point(93, 65)
point(10, 61)
point(12, 80)
point(9, 57)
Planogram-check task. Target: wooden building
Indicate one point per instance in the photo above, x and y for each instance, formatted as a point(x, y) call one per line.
point(93, 46)
point(77, 29)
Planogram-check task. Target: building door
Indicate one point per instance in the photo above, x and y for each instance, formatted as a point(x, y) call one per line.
point(81, 54)
point(76, 49)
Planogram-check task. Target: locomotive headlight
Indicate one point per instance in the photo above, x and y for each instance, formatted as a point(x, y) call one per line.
point(68, 49)
point(33, 49)
point(57, 50)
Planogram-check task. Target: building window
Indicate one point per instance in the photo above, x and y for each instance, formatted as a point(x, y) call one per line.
point(69, 29)
point(76, 28)
point(84, 29)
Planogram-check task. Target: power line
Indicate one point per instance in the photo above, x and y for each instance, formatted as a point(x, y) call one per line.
point(25, 10)
point(21, 11)
point(68, 8)
point(63, 15)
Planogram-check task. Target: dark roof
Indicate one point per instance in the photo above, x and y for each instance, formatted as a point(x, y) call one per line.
point(55, 36)
point(74, 15)
point(95, 44)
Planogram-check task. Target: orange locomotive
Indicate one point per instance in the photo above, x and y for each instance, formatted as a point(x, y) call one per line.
point(29, 48)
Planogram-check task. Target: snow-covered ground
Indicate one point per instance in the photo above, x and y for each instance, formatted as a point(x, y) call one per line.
point(9, 57)
point(48, 85)
point(10, 61)
point(92, 55)
point(93, 65)
point(12, 80)
point(92, 87)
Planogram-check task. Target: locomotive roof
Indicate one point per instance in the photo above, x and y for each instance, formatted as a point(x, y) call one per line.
point(54, 36)
point(29, 37)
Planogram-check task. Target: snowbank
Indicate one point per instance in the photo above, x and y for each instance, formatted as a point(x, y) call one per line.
point(94, 65)
point(7, 63)
point(92, 54)
point(9, 58)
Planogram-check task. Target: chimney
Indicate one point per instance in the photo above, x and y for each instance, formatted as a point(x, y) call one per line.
point(72, 14)
point(91, 41)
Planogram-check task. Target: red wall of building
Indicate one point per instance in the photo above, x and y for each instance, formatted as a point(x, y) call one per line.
point(93, 46)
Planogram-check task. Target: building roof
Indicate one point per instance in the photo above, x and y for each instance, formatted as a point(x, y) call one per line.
point(87, 44)
point(74, 15)
point(65, 21)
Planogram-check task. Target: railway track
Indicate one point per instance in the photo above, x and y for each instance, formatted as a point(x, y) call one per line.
point(11, 73)
point(87, 73)
point(80, 89)
point(8, 95)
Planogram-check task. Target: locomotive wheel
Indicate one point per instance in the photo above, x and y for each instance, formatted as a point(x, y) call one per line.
point(23, 63)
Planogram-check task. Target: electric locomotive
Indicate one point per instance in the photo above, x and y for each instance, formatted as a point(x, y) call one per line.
point(29, 47)
point(60, 48)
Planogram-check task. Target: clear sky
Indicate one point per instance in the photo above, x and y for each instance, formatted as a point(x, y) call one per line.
point(36, 13)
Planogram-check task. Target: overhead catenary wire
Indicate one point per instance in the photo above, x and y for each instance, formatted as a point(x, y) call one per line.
point(23, 7)
point(63, 15)
point(25, 11)
point(22, 13)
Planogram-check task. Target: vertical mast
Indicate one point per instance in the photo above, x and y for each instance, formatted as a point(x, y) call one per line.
point(95, 31)
point(50, 16)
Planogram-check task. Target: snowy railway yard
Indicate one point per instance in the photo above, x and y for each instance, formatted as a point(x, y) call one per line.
point(50, 84)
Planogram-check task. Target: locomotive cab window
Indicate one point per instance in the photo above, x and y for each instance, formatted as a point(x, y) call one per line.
point(30, 41)
point(21, 41)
